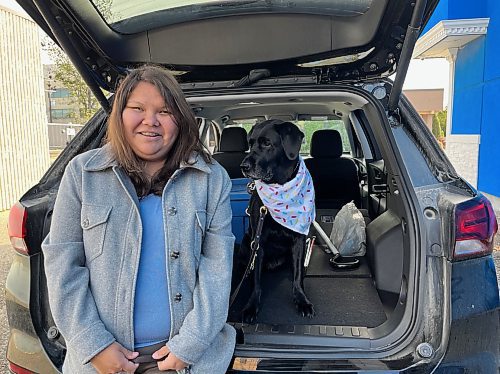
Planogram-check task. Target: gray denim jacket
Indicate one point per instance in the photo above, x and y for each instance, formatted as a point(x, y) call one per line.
point(92, 255)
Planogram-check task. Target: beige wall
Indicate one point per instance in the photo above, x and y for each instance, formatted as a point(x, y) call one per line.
point(24, 144)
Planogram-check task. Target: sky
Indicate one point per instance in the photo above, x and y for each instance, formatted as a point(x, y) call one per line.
point(429, 73)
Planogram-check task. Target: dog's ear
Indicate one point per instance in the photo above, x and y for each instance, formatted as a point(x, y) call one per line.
point(291, 138)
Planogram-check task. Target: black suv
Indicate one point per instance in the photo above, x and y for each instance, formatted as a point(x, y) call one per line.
point(425, 296)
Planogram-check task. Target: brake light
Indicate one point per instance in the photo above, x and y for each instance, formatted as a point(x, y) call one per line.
point(17, 228)
point(475, 228)
point(18, 369)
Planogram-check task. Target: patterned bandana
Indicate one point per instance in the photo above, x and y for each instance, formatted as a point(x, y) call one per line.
point(290, 204)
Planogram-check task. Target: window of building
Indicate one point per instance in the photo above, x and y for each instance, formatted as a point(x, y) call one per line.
point(59, 93)
point(61, 113)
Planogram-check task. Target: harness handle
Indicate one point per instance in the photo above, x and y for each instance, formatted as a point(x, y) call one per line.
point(254, 246)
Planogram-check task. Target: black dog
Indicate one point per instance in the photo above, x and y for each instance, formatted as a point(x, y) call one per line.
point(274, 158)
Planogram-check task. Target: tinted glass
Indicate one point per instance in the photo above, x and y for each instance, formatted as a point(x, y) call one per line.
point(129, 16)
point(308, 127)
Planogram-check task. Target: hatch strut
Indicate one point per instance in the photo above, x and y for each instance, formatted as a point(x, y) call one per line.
point(63, 39)
point(412, 34)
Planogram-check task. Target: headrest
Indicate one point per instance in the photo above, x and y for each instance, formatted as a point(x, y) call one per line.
point(326, 144)
point(233, 139)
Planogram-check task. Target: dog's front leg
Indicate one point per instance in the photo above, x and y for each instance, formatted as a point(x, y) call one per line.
point(304, 306)
point(252, 308)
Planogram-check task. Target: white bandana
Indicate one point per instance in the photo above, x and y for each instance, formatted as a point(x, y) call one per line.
point(290, 204)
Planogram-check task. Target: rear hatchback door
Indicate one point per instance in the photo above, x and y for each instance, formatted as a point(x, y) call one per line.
point(337, 40)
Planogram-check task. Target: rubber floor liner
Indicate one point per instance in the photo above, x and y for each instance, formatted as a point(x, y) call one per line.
point(340, 298)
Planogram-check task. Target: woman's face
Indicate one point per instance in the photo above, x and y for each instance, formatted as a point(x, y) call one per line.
point(149, 127)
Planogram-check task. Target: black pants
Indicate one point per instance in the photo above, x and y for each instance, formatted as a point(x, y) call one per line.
point(148, 365)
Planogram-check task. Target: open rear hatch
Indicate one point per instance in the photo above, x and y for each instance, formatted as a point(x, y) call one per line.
point(332, 40)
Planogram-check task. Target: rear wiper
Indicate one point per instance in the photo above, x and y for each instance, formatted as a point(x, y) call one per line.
point(252, 77)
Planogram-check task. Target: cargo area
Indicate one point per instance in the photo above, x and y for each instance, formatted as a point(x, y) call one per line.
point(340, 297)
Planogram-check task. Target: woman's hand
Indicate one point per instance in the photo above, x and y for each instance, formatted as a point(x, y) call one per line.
point(115, 359)
point(170, 361)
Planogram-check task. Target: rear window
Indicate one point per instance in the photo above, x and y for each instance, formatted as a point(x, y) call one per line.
point(128, 16)
point(308, 127)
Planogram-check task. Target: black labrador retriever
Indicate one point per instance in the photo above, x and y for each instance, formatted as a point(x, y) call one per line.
point(273, 159)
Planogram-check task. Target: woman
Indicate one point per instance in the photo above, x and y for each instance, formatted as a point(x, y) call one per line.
point(138, 258)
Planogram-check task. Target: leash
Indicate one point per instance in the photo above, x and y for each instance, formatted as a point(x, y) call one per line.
point(254, 245)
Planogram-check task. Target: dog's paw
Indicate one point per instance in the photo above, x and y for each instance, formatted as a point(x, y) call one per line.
point(249, 314)
point(306, 309)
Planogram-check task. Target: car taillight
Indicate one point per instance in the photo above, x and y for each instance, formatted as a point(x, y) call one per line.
point(475, 228)
point(17, 228)
point(18, 369)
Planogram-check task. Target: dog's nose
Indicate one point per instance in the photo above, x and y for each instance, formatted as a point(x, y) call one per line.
point(245, 166)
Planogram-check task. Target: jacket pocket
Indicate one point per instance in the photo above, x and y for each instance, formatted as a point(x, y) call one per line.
point(201, 221)
point(94, 220)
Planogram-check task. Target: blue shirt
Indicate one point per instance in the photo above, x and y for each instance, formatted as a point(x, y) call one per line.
point(152, 302)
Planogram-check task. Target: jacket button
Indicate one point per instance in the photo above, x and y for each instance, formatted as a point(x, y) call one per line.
point(178, 297)
point(85, 223)
point(174, 254)
point(172, 211)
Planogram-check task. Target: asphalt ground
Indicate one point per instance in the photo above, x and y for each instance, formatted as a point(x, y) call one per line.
point(6, 254)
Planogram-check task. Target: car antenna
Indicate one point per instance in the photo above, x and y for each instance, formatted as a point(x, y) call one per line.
point(412, 34)
point(252, 77)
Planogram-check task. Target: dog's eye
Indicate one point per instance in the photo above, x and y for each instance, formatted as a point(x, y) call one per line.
point(266, 143)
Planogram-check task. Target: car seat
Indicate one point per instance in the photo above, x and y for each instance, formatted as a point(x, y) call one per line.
point(233, 149)
point(335, 178)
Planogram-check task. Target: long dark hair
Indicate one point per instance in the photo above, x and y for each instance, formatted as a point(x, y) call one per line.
point(187, 141)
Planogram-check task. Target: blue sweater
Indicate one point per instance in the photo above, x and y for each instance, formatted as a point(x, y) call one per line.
point(152, 302)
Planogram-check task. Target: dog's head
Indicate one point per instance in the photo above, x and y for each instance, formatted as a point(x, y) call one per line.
point(274, 151)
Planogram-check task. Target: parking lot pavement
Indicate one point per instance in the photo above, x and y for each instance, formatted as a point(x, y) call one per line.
point(6, 254)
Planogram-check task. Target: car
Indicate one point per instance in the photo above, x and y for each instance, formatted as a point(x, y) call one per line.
point(425, 296)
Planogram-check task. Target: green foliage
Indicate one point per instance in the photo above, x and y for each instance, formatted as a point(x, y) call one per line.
point(66, 76)
point(309, 127)
point(439, 124)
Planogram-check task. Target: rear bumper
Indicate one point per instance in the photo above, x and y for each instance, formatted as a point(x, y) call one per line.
point(474, 341)
point(473, 345)
point(24, 347)
point(26, 351)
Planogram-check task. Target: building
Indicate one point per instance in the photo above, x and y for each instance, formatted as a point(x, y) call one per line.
point(24, 143)
point(60, 109)
point(427, 102)
point(468, 34)
point(60, 106)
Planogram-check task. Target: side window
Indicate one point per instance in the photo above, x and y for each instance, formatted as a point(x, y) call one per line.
point(208, 134)
point(308, 127)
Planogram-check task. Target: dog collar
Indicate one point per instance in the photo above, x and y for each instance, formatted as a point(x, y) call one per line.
point(290, 204)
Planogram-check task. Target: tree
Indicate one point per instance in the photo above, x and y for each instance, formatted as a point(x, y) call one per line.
point(66, 76)
point(439, 125)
